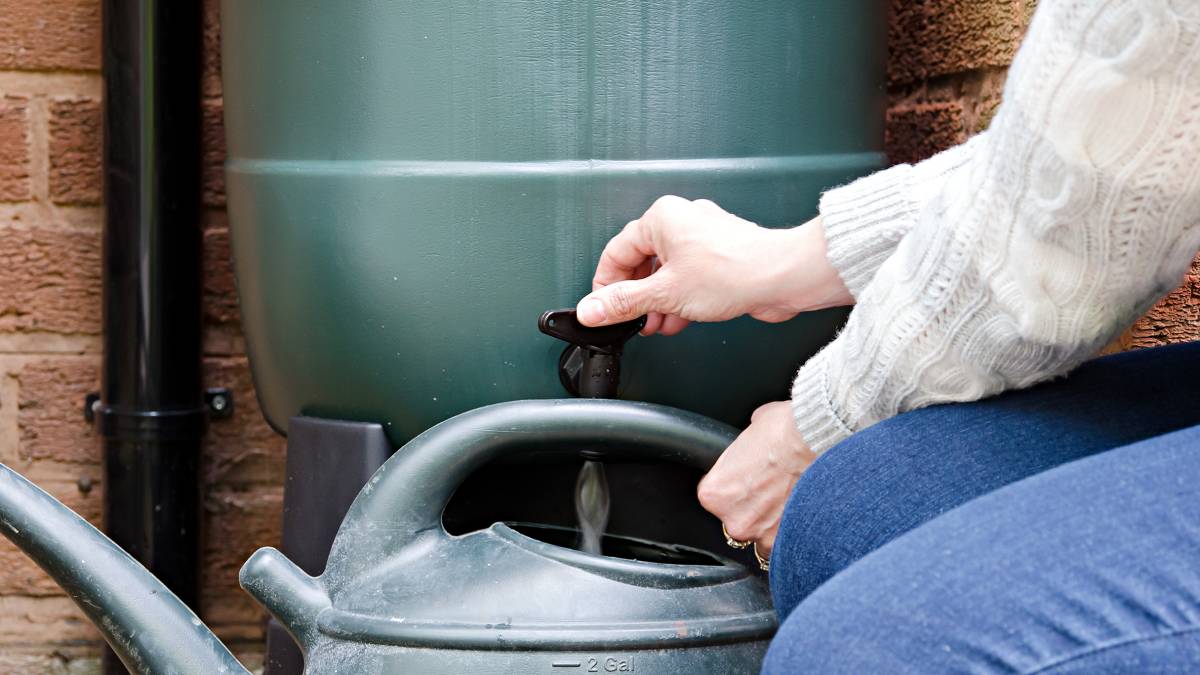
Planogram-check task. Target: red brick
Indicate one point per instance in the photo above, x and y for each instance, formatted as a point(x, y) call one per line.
point(212, 48)
point(1176, 318)
point(1030, 6)
point(51, 280)
point(224, 340)
point(55, 663)
point(238, 523)
point(50, 409)
point(222, 321)
point(243, 469)
point(913, 133)
point(213, 168)
point(51, 621)
point(929, 38)
point(14, 148)
point(220, 290)
point(50, 35)
point(214, 219)
point(76, 137)
point(240, 450)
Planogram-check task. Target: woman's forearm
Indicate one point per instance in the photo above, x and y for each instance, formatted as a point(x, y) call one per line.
point(800, 276)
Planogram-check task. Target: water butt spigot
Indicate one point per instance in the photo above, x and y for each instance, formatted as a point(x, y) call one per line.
point(590, 366)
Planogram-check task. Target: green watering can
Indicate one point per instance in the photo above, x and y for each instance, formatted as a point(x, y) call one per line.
point(400, 594)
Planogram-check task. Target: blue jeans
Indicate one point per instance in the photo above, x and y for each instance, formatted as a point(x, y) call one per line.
point(1052, 530)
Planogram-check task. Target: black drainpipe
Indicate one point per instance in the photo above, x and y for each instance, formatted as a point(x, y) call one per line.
point(151, 411)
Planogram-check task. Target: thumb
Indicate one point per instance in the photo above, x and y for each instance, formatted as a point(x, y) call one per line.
point(622, 301)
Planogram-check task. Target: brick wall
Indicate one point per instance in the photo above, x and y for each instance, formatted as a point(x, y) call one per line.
point(945, 79)
point(946, 72)
point(50, 220)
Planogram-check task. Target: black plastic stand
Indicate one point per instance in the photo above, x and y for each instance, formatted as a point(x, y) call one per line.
point(328, 462)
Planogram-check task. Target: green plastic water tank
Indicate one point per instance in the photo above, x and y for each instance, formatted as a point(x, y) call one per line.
point(411, 184)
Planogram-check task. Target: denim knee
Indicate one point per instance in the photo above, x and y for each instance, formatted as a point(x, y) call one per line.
point(879, 484)
point(825, 635)
point(801, 559)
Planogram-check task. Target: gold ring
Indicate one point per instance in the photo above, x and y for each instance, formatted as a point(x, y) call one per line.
point(730, 541)
point(764, 565)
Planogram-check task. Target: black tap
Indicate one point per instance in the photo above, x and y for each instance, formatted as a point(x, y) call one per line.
point(590, 366)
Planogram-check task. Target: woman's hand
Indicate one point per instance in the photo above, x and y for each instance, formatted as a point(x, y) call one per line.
point(688, 261)
point(749, 485)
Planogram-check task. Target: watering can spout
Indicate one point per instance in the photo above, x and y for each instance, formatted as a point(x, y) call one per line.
point(290, 595)
point(149, 628)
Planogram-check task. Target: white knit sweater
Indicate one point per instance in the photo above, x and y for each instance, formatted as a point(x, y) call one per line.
point(1011, 259)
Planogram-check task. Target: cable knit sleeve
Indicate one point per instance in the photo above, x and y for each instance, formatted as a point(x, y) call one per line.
point(1076, 211)
point(865, 220)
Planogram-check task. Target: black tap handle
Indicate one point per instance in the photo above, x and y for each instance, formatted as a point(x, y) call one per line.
point(564, 325)
point(590, 366)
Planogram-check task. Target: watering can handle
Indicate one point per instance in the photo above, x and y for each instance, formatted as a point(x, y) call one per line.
point(409, 492)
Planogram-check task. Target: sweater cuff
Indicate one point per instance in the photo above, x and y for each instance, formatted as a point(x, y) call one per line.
point(815, 415)
point(863, 222)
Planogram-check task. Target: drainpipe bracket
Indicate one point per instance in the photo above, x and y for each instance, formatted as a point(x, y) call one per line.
point(220, 402)
point(90, 402)
point(176, 424)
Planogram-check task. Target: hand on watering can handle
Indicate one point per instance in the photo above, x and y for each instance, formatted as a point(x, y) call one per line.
point(750, 483)
point(686, 261)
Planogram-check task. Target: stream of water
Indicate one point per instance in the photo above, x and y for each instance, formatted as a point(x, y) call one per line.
point(591, 505)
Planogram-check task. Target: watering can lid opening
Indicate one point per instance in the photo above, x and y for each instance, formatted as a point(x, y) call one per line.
point(634, 561)
point(501, 587)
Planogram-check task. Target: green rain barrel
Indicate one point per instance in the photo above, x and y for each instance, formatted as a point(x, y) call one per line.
point(411, 183)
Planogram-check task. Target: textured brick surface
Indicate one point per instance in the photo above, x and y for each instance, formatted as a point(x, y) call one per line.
point(222, 321)
point(50, 410)
point(919, 131)
point(242, 450)
point(50, 279)
point(929, 38)
point(50, 621)
point(1176, 318)
point(243, 469)
point(15, 140)
point(49, 283)
point(76, 137)
point(50, 34)
point(947, 66)
point(220, 289)
point(212, 48)
point(238, 523)
point(52, 664)
point(213, 170)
